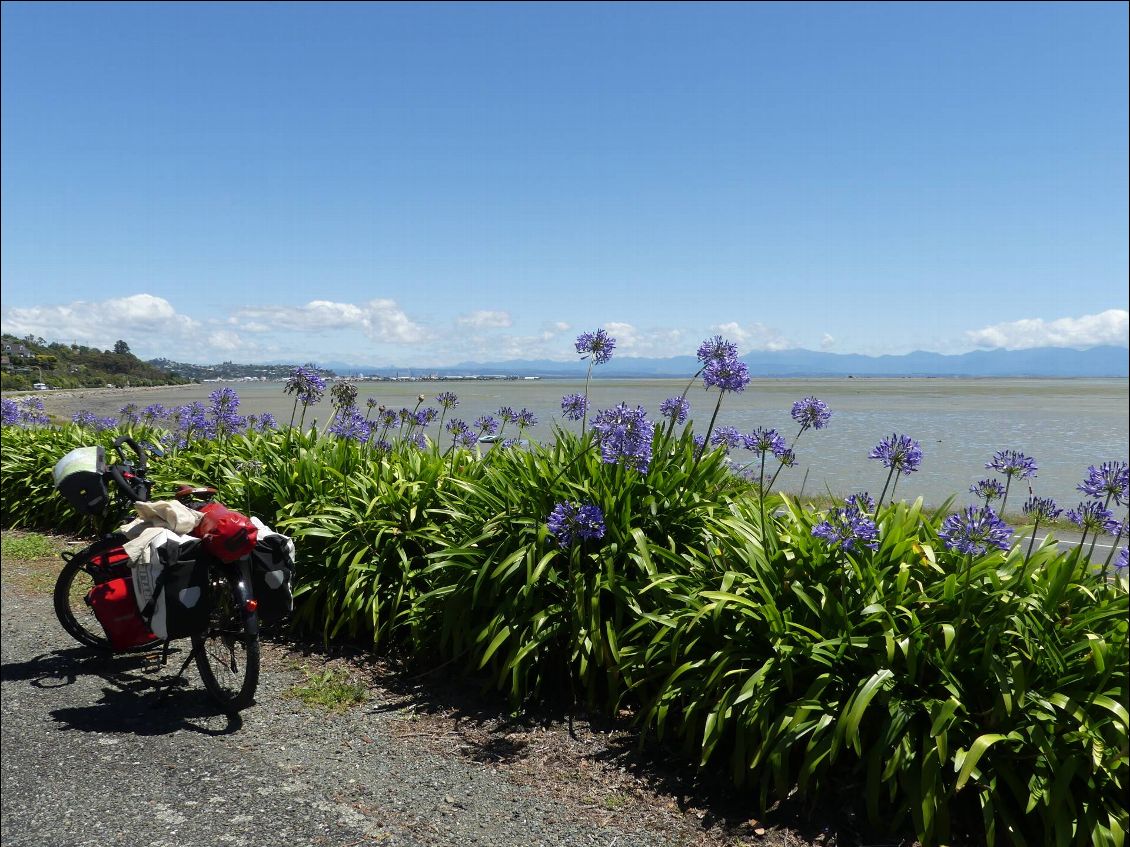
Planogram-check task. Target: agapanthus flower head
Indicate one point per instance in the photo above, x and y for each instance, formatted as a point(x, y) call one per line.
point(624, 436)
point(526, 418)
point(811, 412)
point(597, 345)
point(9, 412)
point(224, 417)
point(89, 420)
point(418, 439)
point(371, 403)
point(307, 384)
point(426, 416)
point(574, 407)
point(988, 489)
point(508, 415)
point(570, 522)
point(676, 409)
point(1123, 560)
point(192, 417)
point(726, 437)
point(447, 399)
point(129, 413)
point(486, 425)
point(716, 349)
point(786, 457)
point(1092, 515)
point(728, 374)
point(850, 527)
point(29, 412)
point(1109, 481)
point(1115, 527)
point(154, 412)
point(1041, 509)
point(1013, 463)
point(466, 439)
point(862, 502)
point(457, 427)
point(975, 531)
point(266, 422)
point(388, 417)
point(763, 441)
point(899, 452)
point(380, 446)
point(350, 424)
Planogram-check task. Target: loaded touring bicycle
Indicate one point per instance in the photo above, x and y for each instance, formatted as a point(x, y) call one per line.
point(187, 568)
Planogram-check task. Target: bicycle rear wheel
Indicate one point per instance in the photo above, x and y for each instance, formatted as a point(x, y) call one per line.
point(227, 653)
point(74, 612)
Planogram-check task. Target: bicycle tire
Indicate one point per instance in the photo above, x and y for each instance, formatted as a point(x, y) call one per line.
point(227, 655)
point(76, 615)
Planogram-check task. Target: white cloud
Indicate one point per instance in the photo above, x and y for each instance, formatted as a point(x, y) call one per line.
point(827, 342)
point(484, 319)
point(631, 341)
point(1109, 327)
point(149, 324)
point(754, 336)
point(380, 320)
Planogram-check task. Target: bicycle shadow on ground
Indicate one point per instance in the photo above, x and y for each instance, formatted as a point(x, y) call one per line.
point(139, 697)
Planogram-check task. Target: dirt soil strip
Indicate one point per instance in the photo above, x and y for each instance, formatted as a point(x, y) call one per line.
point(91, 757)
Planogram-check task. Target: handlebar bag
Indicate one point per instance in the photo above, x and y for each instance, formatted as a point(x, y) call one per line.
point(115, 606)
point(173, 587)
point(79, 478)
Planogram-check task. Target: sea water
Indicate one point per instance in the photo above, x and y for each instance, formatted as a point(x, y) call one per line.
point(1064, 424)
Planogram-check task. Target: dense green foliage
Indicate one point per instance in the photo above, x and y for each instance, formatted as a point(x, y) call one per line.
point(950, 693)
point(32, 360)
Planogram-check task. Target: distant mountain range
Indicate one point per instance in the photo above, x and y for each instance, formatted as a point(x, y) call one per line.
point(1037, 362)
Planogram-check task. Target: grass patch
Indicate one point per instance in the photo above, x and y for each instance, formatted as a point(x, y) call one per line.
point(30, 560)
point(333, 689)
point(27, 546)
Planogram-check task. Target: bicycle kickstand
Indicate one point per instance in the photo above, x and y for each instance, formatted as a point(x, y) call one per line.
point(179, 674)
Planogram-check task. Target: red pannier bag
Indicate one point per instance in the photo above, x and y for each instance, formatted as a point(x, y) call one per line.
point(115, 606)
point(227, 535)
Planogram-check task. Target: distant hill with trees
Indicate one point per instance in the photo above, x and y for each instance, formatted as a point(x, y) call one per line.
point(232, 370)
point(26, 362)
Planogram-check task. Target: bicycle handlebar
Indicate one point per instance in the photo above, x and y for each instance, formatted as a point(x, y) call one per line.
point(142, 462)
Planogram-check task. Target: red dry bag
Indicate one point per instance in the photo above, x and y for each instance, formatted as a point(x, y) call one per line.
point(227, 535)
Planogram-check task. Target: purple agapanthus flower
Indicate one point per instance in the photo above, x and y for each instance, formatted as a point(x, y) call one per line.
point(223, 411)
point(811, 412)
point(425, 416)
point(975, 531)
point(9, 412)
point(574, 407)
point(486, 425)
point(89, 420)
point(850, 527)
point(1092, 515)
point(569, 522)
point(457, 427)
point(899, 453)
point(129, 413)
point(988, 490)
point(266, 422)
point(1123, 560)
point(1013, 463)
point(675, 408)
point(726, 437)
point(599, 345)
point(192, 417)
point(728, 374)
point(1109, 481)
point(763, 441)
point(624, 436)
point(508, 415)
point(154, 412)
point(447, 399)
point(786, 457)
point(716, 349)
point(351, 425)
point(526, 418)
point(307, 384)
point(1041, 509)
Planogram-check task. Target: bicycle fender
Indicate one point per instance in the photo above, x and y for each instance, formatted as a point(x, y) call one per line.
point(241, 587)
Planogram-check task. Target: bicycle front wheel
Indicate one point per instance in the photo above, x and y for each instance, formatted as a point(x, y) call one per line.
point(227, 653)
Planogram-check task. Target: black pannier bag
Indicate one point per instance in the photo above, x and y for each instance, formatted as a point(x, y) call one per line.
point(179, 598)
point(272, 576)
point(79, 477)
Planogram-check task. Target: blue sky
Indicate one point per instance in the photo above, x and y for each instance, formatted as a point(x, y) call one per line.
point(419, 184)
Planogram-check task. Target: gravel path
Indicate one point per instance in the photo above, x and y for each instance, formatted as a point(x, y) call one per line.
point(90, 757)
